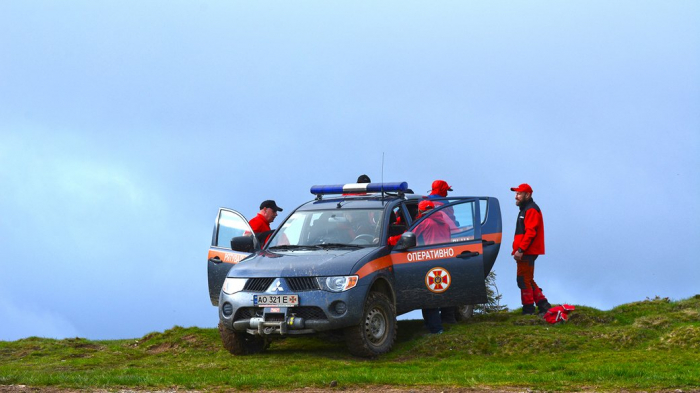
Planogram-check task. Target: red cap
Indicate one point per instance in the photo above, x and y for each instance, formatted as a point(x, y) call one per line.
point(522, 188)
point(426, 205)
point(440, 187)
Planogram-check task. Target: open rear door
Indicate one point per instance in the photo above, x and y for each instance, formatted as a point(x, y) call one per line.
point(491, 231)
point(229, 224)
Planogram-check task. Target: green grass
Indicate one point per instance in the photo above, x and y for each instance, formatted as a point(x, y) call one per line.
point(648, 345)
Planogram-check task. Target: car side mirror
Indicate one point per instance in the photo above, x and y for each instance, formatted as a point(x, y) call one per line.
point(243, 244)
point(407, 240)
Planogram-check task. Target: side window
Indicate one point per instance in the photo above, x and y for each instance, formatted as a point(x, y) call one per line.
point(447, 224)
point(464, 214)
point(230, 226)
point(397, 222)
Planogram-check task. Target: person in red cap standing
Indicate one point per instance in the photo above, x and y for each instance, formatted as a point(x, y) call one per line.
point(528, 244)
point(439, 190)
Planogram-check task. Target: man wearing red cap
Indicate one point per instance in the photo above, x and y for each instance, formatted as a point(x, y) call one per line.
point(527, 245)
point(439, 190)
point(260, 224)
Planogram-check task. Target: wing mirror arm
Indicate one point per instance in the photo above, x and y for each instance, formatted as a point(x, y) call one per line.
point(407, 240)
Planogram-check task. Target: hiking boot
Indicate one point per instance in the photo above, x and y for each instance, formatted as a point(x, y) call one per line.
point(543, 306)
point(529, 309)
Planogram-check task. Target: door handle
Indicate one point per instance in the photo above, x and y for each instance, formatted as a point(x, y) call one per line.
point(467, 254)
point(488, 242)
point(215, 259)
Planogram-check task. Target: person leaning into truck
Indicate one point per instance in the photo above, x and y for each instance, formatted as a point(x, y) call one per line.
point(260, 224)
point(528, 244)
point(434, 230)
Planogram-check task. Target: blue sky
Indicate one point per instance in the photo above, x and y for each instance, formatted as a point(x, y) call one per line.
point(125, 125)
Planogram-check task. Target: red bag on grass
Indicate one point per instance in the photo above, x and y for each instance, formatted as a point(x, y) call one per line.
point(558, 314)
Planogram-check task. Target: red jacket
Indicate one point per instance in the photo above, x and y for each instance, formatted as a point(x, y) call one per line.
point(529, 230)
point(433, 230)
point(259, 224)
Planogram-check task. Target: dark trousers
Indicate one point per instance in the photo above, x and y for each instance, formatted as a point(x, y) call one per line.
point(431, 318)
point(435, 317)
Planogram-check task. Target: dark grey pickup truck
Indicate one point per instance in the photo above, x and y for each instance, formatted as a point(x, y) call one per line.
point(331, 269)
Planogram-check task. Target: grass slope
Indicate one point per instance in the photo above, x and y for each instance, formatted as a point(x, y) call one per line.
point(648, 345)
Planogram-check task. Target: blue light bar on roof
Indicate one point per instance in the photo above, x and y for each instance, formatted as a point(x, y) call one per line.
point(359, 188)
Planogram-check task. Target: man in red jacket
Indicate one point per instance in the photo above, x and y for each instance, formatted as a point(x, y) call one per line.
point(260, 224)
point(527, 245)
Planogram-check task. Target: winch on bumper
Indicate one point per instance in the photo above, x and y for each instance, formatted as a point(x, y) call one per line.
point(278, 321)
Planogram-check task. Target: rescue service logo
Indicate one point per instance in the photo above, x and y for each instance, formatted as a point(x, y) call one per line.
point(438, 280)
point(427, 255)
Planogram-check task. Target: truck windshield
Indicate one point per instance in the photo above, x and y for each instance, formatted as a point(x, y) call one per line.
point(357, 227)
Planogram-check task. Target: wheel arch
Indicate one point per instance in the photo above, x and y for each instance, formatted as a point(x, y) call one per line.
point(382, 285)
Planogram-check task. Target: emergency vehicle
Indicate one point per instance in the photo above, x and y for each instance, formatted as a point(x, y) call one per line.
point(330, 268)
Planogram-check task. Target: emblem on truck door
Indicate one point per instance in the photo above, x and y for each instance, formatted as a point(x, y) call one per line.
point(438, 280)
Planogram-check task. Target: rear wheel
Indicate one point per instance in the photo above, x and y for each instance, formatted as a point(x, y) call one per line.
point(376, 333)
point(240, 343)
point(465, 312)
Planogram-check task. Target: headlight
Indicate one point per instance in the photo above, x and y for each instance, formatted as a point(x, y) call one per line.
point(338, 284)
point(233, 285)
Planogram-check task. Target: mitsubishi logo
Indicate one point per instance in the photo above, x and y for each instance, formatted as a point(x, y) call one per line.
point(277, 286)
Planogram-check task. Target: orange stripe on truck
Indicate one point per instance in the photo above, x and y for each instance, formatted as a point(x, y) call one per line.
point(430, 254)
point(495, 237)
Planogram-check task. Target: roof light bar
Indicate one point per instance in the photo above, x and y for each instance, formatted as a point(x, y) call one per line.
point(359, 188)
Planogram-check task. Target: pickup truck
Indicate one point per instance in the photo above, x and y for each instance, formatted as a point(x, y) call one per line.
point(330, 269)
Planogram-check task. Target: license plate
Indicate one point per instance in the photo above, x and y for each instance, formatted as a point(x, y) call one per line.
point(276, 300)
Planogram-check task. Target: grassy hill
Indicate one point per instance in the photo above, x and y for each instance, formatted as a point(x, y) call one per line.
point(647, 345)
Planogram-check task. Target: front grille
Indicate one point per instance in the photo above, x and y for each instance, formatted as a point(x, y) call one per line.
point(303, 283)
point(257, 284)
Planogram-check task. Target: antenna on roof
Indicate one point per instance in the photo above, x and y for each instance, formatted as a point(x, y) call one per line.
point(382, 175)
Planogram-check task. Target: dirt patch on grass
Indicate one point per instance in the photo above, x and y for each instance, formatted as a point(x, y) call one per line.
point(162, 347)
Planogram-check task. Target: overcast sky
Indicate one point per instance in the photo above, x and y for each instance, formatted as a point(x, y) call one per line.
point(125, 125)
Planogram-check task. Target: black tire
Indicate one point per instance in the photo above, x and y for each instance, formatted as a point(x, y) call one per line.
point(240, 343)
point(464, 312)
point(376, 334)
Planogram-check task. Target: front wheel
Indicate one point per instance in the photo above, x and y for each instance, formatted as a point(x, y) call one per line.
point(376, 333)
point(240, 343)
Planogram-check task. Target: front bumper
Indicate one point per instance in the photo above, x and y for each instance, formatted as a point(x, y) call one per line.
point(318, 311)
